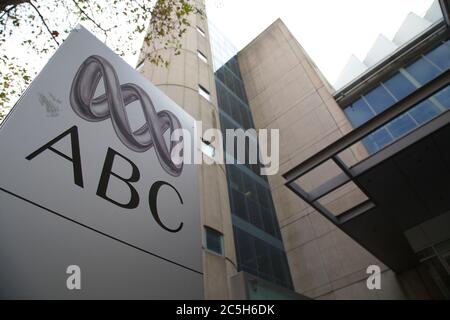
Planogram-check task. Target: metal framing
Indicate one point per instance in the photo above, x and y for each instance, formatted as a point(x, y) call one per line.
point(391, 64)
point(350, 174)
point(445, 7)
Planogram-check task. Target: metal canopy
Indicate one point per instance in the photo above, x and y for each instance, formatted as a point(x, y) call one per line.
point(406, 183)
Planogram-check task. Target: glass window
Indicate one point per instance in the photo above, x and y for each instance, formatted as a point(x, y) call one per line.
point(280, 267)
point(239, 208)
point(359, 113)
point(443, 97)
point(204, 93)
point(381, 138)
point(233, 66)
point(201, 31)
point(263, 196)
point(418, 115)
point(254, 214)
point(235, 175)
point(249, 199)
point(229, 80)
point(424, 112)
point(261, 259)
point(441, 57)
point(269, 225)
point(423, 71)
point(220, 74)
point(214, 241)
point(379, 99)
point(370, 144)
point(222, 98)
point(399, 86)
point(140, 65)
point(401, 125)
point(246, 122)
point(235, 110)
point(227, 103)
point(202, 56)
point(264, 260)
point(240, 90)
point(250, 189)
point(208, 149)
point(246, 249)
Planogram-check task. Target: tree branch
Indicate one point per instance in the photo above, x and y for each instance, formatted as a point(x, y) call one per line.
point(44, 22)
point(90, 18)
point(14, 3)
point(5, 11)
point(142, 6)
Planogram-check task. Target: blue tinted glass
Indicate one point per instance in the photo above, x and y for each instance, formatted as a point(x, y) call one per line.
point(424, 111)
point(269, 225)
point(280, 267)
point(249, 187)
point(263, 258)
point(443, 97)
point(381, 138)
point(235, 111)
point(249, 200)
point(440, 56)
point(399, 86)
point(401, 125)
point(246, 120)
point(235, 176)
point(379, 99)
point(239, 208)
point(359, 113)
point(247, 254)
point(423, 71)
point(225, 100)
point(370, 145)
point(214, 241)
point(254, 214)
point(263, 196)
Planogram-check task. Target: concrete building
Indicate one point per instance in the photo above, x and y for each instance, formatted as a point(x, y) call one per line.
point(187, 78)
point(364, 170)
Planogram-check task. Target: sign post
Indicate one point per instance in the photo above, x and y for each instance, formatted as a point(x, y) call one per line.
point(91, 203)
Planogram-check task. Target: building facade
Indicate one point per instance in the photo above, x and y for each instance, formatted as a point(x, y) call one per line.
point(264, 241)
point(257, 235)
point(190, 82)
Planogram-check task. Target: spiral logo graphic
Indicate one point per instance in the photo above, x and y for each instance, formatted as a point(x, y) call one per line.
point(113, 104)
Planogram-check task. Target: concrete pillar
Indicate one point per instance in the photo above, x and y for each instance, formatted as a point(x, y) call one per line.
point(180, 81)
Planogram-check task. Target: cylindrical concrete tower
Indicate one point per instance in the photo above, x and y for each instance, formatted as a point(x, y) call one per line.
point(189, 81)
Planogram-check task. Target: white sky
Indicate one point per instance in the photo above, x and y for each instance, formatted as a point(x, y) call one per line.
point(329, 30)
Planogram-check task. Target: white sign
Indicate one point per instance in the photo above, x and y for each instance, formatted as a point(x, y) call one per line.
point(87, 180)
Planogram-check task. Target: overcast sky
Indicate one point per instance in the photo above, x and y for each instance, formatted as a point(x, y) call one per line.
point(329, 30)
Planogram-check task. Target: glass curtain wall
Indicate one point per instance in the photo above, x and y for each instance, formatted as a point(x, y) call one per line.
point(259, 246)
point(404, 82)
